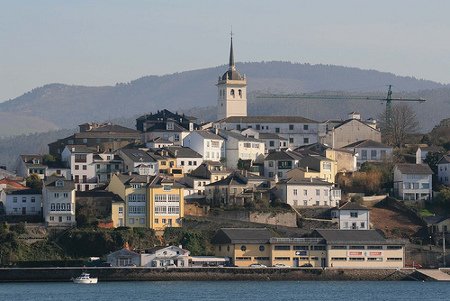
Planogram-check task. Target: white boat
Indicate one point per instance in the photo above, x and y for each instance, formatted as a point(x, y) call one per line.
point(85, 278)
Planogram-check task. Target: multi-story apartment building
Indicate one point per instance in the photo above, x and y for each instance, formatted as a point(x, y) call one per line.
point(58, 200)
point(21, 201)
point(240, 147)
point(89, 167)
point(351, 216)
point(171, 127)
point(150, 201)
point(208, 144)
point(297, 130)
point(308, 192)
point(413, 182)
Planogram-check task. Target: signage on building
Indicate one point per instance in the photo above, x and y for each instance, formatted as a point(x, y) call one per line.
point(375, 253)
point(301, 253)
point(355, 253)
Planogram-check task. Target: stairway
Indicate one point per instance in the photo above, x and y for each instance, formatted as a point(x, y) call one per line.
point(436, 274)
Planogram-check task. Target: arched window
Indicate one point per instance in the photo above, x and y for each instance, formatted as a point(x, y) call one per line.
point(243, 248)
point(240, 93)
point(232, 92)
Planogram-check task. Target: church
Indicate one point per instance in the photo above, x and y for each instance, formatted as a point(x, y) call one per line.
point(232, 112)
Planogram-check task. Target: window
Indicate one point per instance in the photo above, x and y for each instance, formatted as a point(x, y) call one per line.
point(120, 210)
point(282, 248)
point(282, 258)
point(300, 248)
point(305, 140)
point(15, 199)
point(291, 127)
point(373, 154)
point(33, 199)
point(319, 248)
point(65, 194)
point(363, 225)
point(232, 92)
point(84, 167)
point(52, 207)
point(305, 127)
point(56, 195)
point(261, 248)
point(356, 248)
point(295, 192)
point(262, 258)
point(339, 258)
point(356, 259)
point(68, 206)
point(277, 130)
point(394, 259)
point(394, 247)
point(291, 140)
point(63, 207)
point(243, 248)
point(270, 163)
point(77, 167)
point(141, 221)
point(354, 214)
point(364, 154)
point(58, 206)
point(131, 221)
point(271, 143)
point(374, 259)
point(156, 221)
point(327, 166)
point(338, 247)
point(24, 199)
point(317, 192)
point(240, 93)
point(374, 247)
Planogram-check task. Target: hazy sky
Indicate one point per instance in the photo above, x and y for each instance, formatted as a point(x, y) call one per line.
point(109, 41)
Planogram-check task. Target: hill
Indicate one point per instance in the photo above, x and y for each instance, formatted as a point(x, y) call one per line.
point(64, 106)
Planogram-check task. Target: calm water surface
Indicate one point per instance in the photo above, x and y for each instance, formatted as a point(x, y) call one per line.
point(227, 290)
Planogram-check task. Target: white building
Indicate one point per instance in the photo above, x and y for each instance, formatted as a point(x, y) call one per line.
point(58, 200)
point(271, 141)
point(231, 91)
point(278, 163)
point(241, 147)
point(138, 161)
point(308, 192)
point(157, 257)
point(370, 151)
point(351, 216)
point(296, 129)
point(423, 151)
point(31, 164)
point(413, 181)
point(90, 168)
point(444, 170)
point(186, 158)
point(22, 201)
point(206, 143)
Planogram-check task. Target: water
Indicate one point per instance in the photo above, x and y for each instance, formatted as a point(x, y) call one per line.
point(227, 290)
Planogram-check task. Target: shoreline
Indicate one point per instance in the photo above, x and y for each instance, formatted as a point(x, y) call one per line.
point(206, 274)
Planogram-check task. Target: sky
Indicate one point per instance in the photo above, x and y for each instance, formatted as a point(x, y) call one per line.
point(105, 42)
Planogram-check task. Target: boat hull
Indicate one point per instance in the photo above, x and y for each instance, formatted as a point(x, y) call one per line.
point(85, 281)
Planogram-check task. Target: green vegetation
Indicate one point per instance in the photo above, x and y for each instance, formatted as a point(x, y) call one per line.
point(34, 182)
point(196, 241)
point(425, 212)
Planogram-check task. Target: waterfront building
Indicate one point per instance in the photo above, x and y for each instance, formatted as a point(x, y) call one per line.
point(157, 257)
point(325, 248)
point(351, 216)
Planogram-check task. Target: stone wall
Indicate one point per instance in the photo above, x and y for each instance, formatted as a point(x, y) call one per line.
point(200, 274)
point(287, 219)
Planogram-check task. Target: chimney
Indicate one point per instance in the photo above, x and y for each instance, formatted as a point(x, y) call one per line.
point(129, 173)
point(73, 149)
point(148, 179)
point(310, 179)
point(216, 131)
point(307, 169)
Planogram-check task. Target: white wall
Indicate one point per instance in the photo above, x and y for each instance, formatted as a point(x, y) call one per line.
point(15, 203)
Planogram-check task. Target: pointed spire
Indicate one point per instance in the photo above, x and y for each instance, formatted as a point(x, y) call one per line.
point(231, 63)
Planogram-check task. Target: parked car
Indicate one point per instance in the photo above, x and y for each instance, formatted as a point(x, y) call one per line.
point(306, 265)
point(257, 265)
point(281, 265)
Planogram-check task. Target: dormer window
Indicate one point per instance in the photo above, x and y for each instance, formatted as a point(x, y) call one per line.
point(36, 161)
point(169, 126)
point(59, 183)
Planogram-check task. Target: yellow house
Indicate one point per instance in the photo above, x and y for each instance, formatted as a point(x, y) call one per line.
point(326, 248)
point(133, 189)
point(118, 213)
point(166, 198)
point(167, 165)
point(154, 202)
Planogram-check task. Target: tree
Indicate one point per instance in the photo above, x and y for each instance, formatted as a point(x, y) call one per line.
point(432, 160)
point(34, 182)
point(398, 124)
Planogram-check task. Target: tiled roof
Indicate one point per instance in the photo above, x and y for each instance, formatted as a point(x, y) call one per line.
point(208, 135)
point(351, 236)
point(242, 235)
point(444, 160)
point(137, 155)
point(409, 168)
point(303, 181)
point(50, 183)
point(23, 191)
point(353, 206)
point(266, 136)
point(238, 136)
point(267, 119)
point(182, 152)
point(283, 155)
point(367, 144)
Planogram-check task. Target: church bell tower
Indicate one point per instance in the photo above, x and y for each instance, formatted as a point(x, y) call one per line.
point(231, 91)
